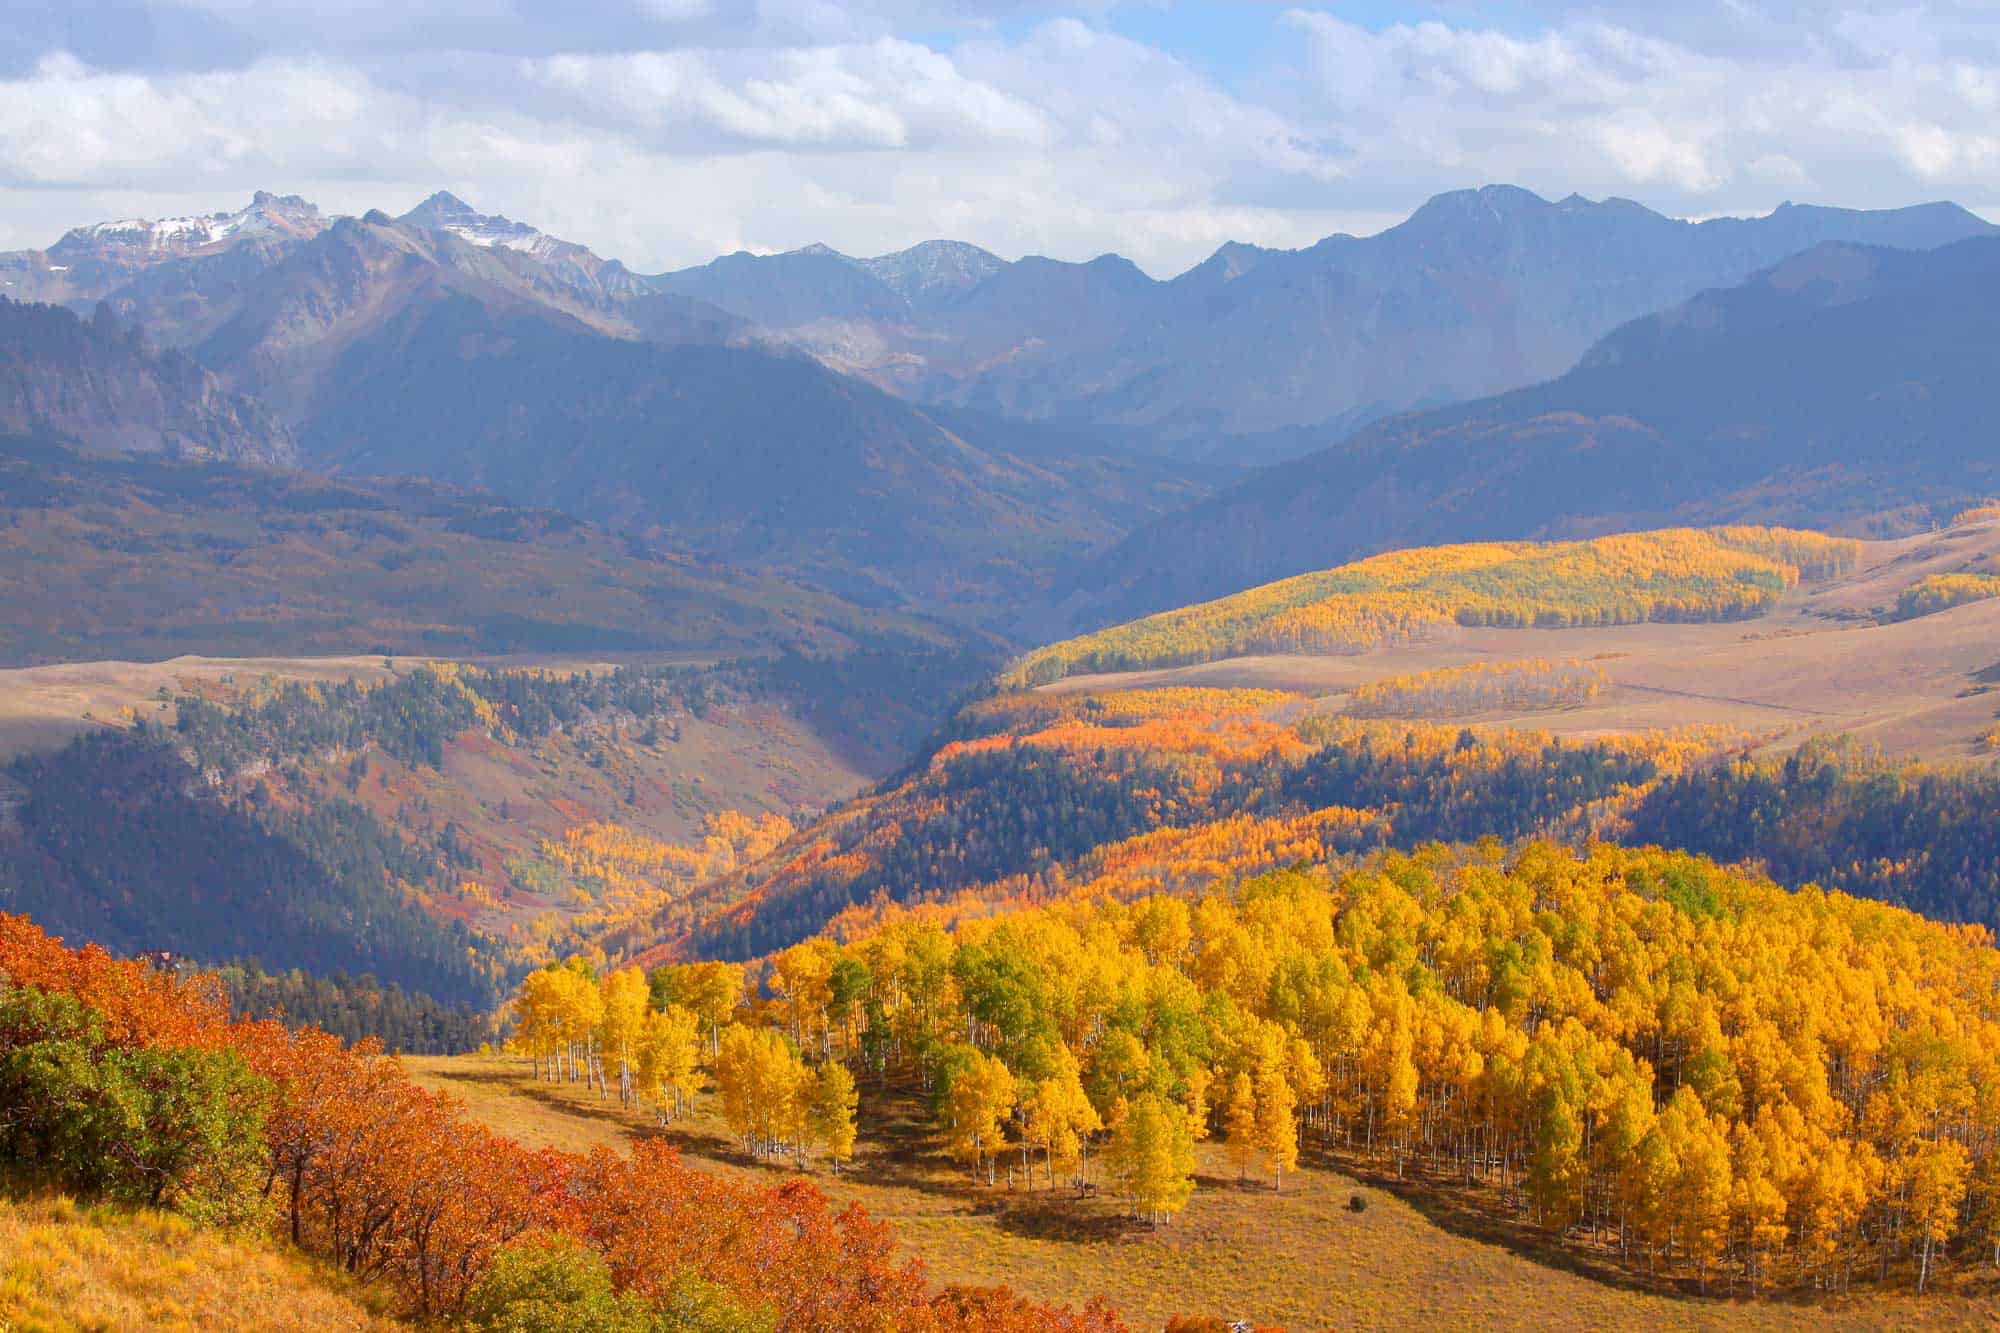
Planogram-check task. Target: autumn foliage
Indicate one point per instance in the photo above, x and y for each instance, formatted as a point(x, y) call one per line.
point(1676, 574)
point(1481, 687)
point(1683, 1067)
point(395, 1185)
point(1941, 592)
point(1173, 790)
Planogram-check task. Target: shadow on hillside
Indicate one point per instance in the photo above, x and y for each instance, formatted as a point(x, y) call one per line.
point(1477, 1214)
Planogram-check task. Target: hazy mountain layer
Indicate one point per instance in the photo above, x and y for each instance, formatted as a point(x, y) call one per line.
point(1842, 384)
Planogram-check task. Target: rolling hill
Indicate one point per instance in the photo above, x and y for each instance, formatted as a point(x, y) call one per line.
point(143, 558)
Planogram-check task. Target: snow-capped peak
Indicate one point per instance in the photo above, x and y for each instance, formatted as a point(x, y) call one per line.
point(266, 213)
point(448, 213)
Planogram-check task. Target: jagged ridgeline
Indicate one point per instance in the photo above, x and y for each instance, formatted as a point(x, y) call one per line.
point(1674, 574)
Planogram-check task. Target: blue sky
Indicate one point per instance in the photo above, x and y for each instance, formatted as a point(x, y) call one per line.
point(667, 131)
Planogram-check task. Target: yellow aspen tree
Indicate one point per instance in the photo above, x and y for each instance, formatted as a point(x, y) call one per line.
point(669, 1043)
point(762, 1085)
point(581, 1006)
point(711, 991)
point(539, 1028)
point(1151, 1158)
point(1702, 1185)
point(831, 1103)
point(1936, 1174)
point(1277, 1119)
point(1061, 1118)
point(622, 1015)
point(802, 978)
point(1199, 1080)
point(980, 1099)
point(1240, 1124)
point(1758, 1202)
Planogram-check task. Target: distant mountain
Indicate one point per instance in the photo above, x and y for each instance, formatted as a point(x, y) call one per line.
point(1252, 356)
point(932, 273)
point(289, 327)
point(96, 384)
point(184, 279)
point(1478, 292)
point(793, 290)
point(92, 261)
point(1845, 383)
point(476, 350)
point(732, 452)
point(534, 257)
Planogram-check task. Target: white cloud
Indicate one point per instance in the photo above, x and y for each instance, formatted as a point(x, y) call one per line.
point(665, 131)
point(1599, 107)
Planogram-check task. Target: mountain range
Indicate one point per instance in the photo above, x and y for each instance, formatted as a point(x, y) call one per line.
point(1014, 444)
point(1479, 291)
point(1251, 355)
point(1849, 387)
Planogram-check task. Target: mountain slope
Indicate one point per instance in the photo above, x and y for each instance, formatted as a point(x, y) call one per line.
point(1841, 384)
point(144, 559)
point(96, 384)
point(735, 453)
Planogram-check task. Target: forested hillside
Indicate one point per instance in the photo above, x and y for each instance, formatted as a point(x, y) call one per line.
point(1035, 796)
point(366, 828)
point(1673, 575)
point(1023, 807)
point(1678, 1069)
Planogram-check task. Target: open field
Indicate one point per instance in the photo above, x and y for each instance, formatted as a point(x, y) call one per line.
point(65, 1266)
point(1817, 664)
point(1298, 1258)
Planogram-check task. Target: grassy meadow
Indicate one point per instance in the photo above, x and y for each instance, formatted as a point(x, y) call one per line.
point(1301, 1258)
point(69, 1266)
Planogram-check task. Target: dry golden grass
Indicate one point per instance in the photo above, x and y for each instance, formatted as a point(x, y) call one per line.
point(1818, 664)
point(64, 1267)
point(1299, 1258)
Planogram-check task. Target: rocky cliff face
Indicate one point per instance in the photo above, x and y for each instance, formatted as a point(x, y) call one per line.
point(96, 383)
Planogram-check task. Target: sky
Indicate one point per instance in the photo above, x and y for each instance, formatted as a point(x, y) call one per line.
point(665, 132)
